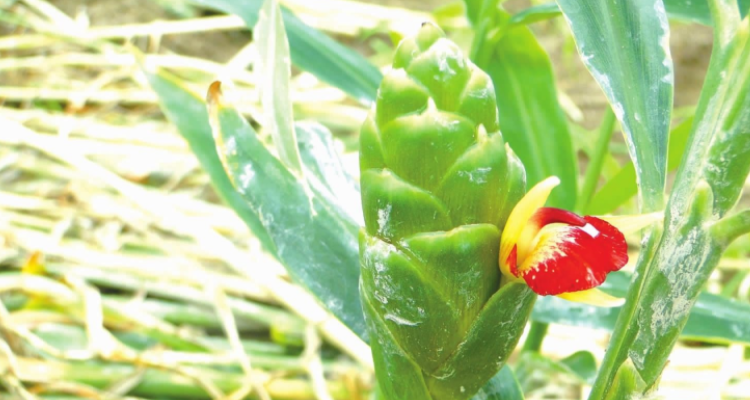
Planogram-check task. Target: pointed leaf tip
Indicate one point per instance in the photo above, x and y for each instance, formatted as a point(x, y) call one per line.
point(215, 96)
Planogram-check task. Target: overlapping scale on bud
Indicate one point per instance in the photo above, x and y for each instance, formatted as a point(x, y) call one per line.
point(438, 183)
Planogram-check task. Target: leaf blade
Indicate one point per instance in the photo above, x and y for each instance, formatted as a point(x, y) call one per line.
point(622, 186)
point(679, 10)
point(530, 117)
point(314, 242)
point(188, 112)
point(272, 69)
point(502, 386)
point(714, 319)
point(313, 51)
point(628, 55)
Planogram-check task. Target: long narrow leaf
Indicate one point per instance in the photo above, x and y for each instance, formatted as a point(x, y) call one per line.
point(530, 117)
point(708, 184)
point(188, 112)
point(272, 69)
point(678, 10)
point(714, 319)
point(533, 368)
point(674, 266)
point(621, 187)
point(316, 244)
point(313, 51)
point(322, 162)
point(625, 45)
point(503, 386)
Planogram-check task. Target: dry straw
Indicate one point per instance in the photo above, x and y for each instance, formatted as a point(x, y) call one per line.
point(146, 286)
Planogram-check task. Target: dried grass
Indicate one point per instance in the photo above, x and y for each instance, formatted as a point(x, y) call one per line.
point(136, 281)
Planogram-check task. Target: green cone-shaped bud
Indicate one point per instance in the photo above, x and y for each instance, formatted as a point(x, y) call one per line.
point(438, 183)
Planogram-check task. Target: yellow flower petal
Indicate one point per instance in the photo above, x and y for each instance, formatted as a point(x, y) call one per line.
point(594, 297)
point(514, 232)
point(633, 223)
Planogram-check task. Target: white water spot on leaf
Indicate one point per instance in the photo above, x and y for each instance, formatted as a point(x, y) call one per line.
point(266, 218)
point(247, 175)
point(399, 320)
point(661, 14)
point(335, 305)
point(447, 53)
point(379, 297)
point(230, 146)
point(384, 216)
point(639, 359)
point(478, 176)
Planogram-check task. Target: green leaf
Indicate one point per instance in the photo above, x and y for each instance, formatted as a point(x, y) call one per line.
point(325, 170)
point(503, 386)
point(582, 364)
point(313, 51)
point(625, 45)
point(492, 337)
point(678, 10)
point(474, 10)
point(536, 13)
point(531, 119)
point(535, 370)
point(389, 356)
point(621, 187)
point(272, 70)
point(713, 319)
point(597, 156)
point(678, 266)
point(188, 112)
point(315, 243)
point(697, 10)
point(626, 384)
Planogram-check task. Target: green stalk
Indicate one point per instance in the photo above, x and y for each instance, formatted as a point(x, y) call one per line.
point(728, 229)
point(537, 332)
point(594, 169)
point(731, 287)
point(623, 336)
point(678, 258)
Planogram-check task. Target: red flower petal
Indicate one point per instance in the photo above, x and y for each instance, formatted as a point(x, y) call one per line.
point(573, 257)
point(549, 215)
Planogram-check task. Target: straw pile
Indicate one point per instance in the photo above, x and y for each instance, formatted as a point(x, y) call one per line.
point(105, 291)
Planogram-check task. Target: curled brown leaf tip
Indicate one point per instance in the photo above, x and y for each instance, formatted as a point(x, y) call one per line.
point(215, 96)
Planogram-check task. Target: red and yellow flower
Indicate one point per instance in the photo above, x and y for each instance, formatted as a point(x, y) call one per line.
point(557, 252)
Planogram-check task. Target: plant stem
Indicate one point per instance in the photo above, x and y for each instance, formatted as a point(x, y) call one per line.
point(596, 161)
point(537, 332)
point(730, 228)
point(622, 335)
point(731, 287)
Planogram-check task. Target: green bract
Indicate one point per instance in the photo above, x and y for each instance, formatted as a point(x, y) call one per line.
point(438, 183)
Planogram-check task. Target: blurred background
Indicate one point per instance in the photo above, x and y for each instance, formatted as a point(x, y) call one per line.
point(102, 297)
